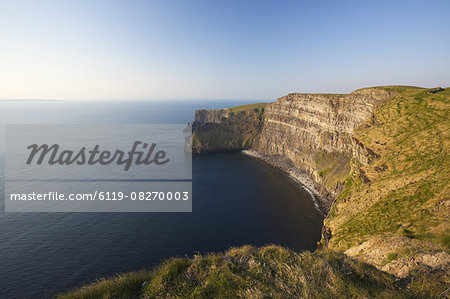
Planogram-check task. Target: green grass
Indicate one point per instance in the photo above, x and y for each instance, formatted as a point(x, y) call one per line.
point(120, 286)
point(324, 172)
point(256, 106)
point(331, 95)
point(446, 91)
point(333, 168)
point(400, 88)
point(414, 127)
point(249, 272)
point(392, 256)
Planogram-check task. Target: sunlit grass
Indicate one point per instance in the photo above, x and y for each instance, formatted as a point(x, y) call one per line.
point(249, 272)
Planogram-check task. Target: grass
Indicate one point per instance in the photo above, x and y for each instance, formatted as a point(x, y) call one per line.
point(446, 91)
point(323, 172)
point(121, 286)
point(333, 168)
point(392, 256)
point(256, 106)
point(331, 95)
point(249, 272)
point(401, 88)
point(412, 138)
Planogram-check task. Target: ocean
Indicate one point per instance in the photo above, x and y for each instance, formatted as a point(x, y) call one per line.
point(237, 200)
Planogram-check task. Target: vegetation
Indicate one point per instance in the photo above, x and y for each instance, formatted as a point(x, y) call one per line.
point(409, 184)
point(333, 168)
point(256, 106)
point(446, 91)
point(248, 272)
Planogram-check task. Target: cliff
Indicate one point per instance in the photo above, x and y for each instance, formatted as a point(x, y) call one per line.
point(313, 131)
point(209, 116)
point(378, 161)
point(316, 133)
point(228, 129)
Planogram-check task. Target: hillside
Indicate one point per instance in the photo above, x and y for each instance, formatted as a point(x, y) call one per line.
point(397, 207)
point(266, 272)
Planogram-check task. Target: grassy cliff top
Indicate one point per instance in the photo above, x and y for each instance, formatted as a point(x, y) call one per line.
point(393, 88)
point(406, 198)
point(247, 107)
point(400, 88)
point(266, 272)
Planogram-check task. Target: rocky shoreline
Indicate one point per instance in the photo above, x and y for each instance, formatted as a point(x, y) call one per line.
point(285, 165)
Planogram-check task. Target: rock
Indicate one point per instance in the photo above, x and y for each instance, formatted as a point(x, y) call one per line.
point(402, 267)
point(221, 130)
point(205, 116)
point(435, 90)
point(301, 127)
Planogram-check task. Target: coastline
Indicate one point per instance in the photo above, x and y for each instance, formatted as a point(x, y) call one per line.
point(284, 164)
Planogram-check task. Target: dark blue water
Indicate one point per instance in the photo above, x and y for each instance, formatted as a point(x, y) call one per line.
point(237, 200)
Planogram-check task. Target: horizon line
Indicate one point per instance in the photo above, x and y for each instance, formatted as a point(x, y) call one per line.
point(199, 99)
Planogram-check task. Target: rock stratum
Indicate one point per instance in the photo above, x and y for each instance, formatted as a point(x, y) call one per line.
point(314, 132)
point(228, 129)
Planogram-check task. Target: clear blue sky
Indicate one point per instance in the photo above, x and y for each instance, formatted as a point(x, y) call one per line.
point(218, 49)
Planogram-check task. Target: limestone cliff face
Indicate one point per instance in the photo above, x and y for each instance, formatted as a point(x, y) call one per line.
point(213, 116)
point(225, 130)
point(314, 123)
point(315, 133)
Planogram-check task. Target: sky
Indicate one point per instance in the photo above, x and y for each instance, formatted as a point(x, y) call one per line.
point(83, 50)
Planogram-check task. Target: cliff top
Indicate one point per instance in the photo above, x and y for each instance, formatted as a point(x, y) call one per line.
point(248, 107)
point(248, 272)
point(389, 88)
